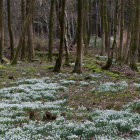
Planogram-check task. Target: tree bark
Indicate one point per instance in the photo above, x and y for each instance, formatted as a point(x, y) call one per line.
point(134, 39)
point(10, 29)
point(23, 32)
point(51, 25)
point(78, 63)
point(1, 30)
point(30, 45)
point(58, 64)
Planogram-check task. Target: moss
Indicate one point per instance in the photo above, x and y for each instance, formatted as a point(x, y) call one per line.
point(2, 67)
point(35, 60)
point(47, 66)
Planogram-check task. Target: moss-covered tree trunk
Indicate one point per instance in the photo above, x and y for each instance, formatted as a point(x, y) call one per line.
point(23, 32)
point(23, 15)
point(58, 64)
point(11, 36)
point(30, 44)
point(134, 38)
point(1, 30)
point(51, 30)
point(78, 63)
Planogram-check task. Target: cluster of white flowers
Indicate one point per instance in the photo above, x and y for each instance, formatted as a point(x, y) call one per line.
point(137, 86)
point(67, 82)
point(111, 87)
point(83, 84)
point(42, 94)
point(101, 57)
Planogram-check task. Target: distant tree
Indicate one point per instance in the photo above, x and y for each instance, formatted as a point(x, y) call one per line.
point(1, 30)
point(78, 63)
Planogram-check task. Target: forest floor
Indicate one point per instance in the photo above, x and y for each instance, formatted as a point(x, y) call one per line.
point(36, 103)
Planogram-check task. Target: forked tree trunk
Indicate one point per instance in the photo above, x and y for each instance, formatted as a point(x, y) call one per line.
point(110, 57)
point(58, 64)
point(23, 32)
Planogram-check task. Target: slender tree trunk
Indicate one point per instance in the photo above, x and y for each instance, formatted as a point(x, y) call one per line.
point(121, 31)
point(135, 37)
point(58, 64)
point(106, 26)
point(51, 25)
point(1, 30)
point(102, 28)
point(85, 12)
point(23, 32)
point(78, 63)
point(97, 24)
point(66, 41)
point(90, 21)
point(30, 45)
point(10, 29)
point(23, 14)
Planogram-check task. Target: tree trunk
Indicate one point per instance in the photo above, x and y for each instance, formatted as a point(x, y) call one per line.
point(110, 57)
point(102, 28)
point(78, 63)
point(10, 29)
point(23, 32)
point(121, 31)
point(23, 14)
point(30, 45)
point(1, 30)
point(51, 25)
point(90, 22)
point(58, 64)
point(129, 30)
point(85, 10)
point(134, 39)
